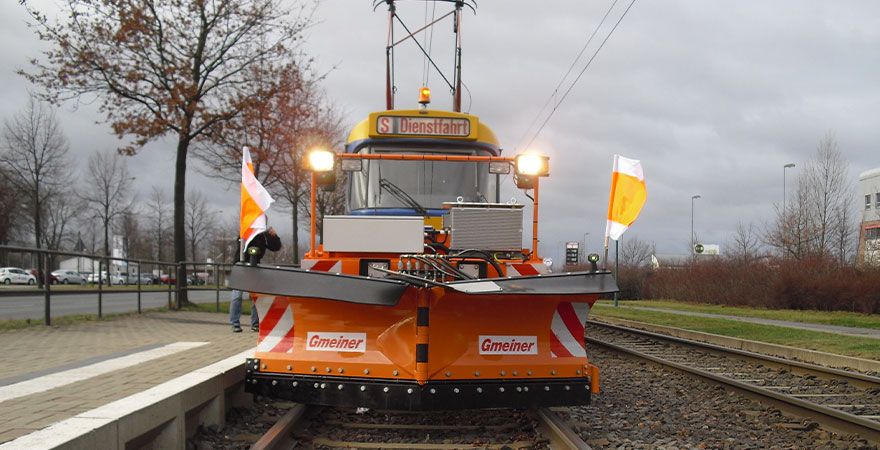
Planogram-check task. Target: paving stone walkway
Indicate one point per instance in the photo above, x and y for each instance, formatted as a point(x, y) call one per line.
point(851, 331)
point(40, 351)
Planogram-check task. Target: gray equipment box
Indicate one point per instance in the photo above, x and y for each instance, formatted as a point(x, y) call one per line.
point(485, 226)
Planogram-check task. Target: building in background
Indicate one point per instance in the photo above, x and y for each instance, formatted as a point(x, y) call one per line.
point(869, 229)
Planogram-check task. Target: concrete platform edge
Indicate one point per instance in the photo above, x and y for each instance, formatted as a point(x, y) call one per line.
point(163, 415)
point(782, 351)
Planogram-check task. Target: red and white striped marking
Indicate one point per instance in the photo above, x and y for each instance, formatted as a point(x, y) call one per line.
point(322, 265)
point(567, 330)
point(276, 325)
point(526, 269)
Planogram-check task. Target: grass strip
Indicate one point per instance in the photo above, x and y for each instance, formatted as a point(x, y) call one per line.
point(813, 340)
point(18, 324)
point(841, 318)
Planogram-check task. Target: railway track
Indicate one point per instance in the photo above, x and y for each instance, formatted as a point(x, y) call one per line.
point(843, 401)
point(321, 427)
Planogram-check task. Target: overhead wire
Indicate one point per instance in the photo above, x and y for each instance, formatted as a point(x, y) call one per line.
point(573, 83)
point(567, 73)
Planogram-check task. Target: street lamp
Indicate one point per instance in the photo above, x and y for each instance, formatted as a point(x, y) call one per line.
point(787, 166)
point(693, 237)
point(585, 245)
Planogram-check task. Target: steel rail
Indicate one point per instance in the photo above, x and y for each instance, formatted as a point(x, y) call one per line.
point(279, 435)
point(860, 379)
point(559, 433)
point(831, 418)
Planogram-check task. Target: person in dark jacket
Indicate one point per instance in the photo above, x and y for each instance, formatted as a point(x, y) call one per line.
point(253, 254)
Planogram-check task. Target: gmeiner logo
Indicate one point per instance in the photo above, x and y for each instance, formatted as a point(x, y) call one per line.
point(508, 345)
point(330, 341)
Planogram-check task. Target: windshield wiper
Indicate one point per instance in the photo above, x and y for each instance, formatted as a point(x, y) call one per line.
point(402, 196)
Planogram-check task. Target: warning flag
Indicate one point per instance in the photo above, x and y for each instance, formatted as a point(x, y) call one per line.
point(628, 194)
point(255, 201)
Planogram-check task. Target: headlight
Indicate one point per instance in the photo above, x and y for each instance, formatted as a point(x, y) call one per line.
point(321, 160)
point(593, 257)
point(533, 164)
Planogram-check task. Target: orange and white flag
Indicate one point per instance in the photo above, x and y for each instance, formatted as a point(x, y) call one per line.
point(255, 201)
point(628, 194)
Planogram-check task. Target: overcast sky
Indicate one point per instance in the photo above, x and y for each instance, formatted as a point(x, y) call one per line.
point(713, 97)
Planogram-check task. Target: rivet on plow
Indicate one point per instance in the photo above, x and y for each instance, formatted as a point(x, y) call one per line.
point(567, 388)
point(479, 390)
point(501, 389)
point(433, 391)
point(363, 388)
point(525, 389)
point(578, 371)
point(409, 391)
point(553, 372)
point(339, 387)
point(513, 373)
point(329, 370)
point(546, 388)
point(503, 373)
point(456, 390)
point(341, 370)
point(384, 389)
point(323, 385)
point(518, 389)
point(395, 373)
point(289, 367)
point(316, 385)
point(477, 373)
point(295, 383)
point(314, 369)
point(366, 371)
point(529, 373)
point(448, 374)
point(274, 382)
point(264, 366)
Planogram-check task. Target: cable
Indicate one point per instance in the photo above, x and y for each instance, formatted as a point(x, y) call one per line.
point(567, 73)
point(573, 83)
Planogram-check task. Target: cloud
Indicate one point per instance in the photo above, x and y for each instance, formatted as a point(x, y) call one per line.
point(714, 97)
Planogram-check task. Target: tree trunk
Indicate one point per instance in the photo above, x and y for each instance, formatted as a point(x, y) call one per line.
point(38, 235)
point(107, 264)
point(295, 237)
point(179, 223)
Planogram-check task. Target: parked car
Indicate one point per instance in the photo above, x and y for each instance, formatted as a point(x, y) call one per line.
point(39, 276)
point(194, 279)
point(145, 278)
point(10, 275)
point(69, 277)
point(114, 279)
point(166, 278)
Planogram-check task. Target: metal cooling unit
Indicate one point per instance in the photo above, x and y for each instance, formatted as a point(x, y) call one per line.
point(485, 226)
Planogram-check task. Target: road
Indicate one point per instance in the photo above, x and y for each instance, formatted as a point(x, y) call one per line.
point(31, 306)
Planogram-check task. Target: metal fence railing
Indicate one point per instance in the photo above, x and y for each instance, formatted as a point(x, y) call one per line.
point(109, 276)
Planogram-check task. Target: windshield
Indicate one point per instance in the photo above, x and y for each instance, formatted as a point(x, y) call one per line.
point(419, 184)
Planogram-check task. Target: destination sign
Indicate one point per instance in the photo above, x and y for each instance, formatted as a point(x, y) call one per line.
point(423, 126)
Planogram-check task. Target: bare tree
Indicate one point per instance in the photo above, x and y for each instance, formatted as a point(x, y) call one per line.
point(107, 190)
point(636, 253)
point(746, 242)
point(158, 216)
point(10, 200)
point(35, 154)
point(200, 221)
point(61, 211)
point(830, 192)
point(818, 218)
point(161, 67)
